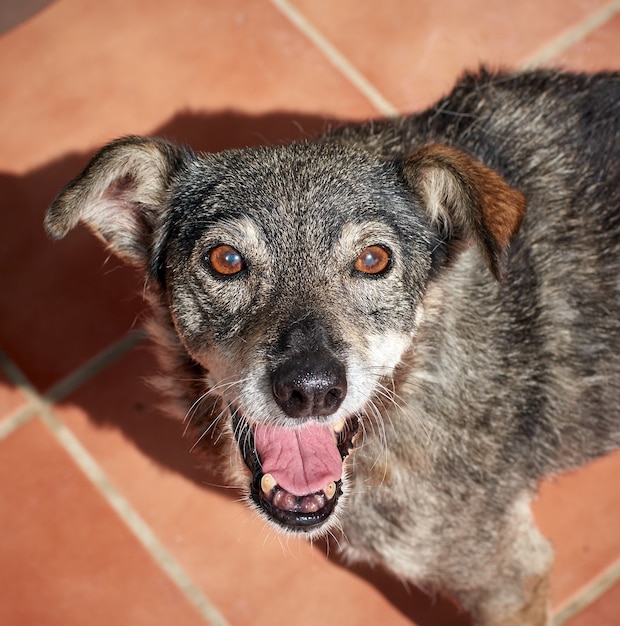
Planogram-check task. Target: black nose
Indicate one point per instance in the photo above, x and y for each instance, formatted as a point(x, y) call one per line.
point(309, 385)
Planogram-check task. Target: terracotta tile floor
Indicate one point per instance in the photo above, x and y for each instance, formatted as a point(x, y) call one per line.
point(105, 516)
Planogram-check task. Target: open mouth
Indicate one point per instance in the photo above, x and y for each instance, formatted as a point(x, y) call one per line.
point(296, 472)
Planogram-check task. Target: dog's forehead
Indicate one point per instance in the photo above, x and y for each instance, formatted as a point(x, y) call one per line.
point(300, 183)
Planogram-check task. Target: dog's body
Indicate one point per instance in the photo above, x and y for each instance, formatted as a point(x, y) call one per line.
point(371, 323)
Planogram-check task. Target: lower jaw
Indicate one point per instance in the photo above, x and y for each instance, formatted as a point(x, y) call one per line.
point(295, 513)
point(302, 514)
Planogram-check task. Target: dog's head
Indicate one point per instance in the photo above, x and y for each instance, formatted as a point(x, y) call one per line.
point(294, 277)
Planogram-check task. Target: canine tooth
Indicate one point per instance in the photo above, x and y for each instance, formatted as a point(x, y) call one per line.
point(339, 427)
point(330, 490)
point(267, 483)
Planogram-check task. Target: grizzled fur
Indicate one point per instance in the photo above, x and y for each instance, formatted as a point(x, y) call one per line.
point(483, 355)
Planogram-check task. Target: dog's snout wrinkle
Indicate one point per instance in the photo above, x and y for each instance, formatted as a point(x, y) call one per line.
point(310, 385)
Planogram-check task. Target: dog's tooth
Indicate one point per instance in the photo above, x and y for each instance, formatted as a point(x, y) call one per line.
point(330, 490)
point(339, 427)
point(267, 483)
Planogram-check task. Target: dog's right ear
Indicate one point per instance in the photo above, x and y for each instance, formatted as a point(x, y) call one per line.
point(120, 195)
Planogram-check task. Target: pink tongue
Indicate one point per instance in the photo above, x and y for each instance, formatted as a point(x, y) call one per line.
point(302, 460)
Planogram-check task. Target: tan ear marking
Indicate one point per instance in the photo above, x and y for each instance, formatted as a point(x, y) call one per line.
point(466, 198)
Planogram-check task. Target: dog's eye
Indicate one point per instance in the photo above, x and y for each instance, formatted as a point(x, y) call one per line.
point(373, 260)
point(225, 260)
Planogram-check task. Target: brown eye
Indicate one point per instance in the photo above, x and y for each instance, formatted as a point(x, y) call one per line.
point(373, 260)
point(225, 260)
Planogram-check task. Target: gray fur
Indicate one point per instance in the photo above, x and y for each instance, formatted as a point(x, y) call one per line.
point(484, 358)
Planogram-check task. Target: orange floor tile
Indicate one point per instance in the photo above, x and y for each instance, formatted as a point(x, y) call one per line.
point(106, 516)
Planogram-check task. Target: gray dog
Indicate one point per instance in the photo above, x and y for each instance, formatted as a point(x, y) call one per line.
point(373, 335)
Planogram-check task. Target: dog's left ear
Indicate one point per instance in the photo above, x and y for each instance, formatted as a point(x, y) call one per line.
point(466, 200)
point(120, 195)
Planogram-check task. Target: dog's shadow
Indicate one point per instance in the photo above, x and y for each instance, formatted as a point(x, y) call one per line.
point(29, 195)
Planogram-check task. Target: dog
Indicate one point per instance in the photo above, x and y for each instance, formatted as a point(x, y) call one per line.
point(391, 333)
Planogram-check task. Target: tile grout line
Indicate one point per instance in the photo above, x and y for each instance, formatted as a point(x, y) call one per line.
point(336, 58)
point(42, 406)
point(65, 386)
point(543, 55)
point(18, 418)
point(589, 594)
point(571, 36)
point(18, 378)
point(132, 519)
point(28, 410)
point(94, 365)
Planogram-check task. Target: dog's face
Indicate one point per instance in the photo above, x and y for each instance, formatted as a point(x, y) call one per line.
point(294, 277)
point(298, 304)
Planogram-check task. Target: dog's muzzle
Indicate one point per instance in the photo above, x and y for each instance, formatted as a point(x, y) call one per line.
point(296, 472)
